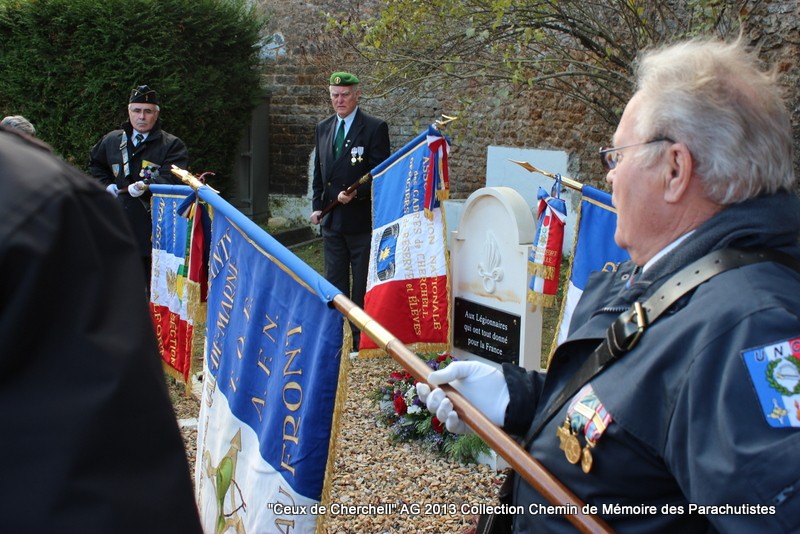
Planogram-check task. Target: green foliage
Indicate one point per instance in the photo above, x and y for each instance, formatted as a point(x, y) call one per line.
point(576, 48)
point(69, 66)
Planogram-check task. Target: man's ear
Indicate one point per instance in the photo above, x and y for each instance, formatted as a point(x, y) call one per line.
point(681, 171)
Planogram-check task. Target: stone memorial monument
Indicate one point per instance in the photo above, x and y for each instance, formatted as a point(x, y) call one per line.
point(491, 319)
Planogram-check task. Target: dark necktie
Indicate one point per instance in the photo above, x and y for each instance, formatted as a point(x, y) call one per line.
point(338, 143)
point(139, 139)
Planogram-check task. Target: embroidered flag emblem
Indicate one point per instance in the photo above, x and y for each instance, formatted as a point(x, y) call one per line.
point(775, 372)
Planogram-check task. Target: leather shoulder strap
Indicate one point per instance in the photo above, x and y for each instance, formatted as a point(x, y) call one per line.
point(627, 329)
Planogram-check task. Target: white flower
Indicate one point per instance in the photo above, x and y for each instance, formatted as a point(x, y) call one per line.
point(410, 395)
point(413, 409)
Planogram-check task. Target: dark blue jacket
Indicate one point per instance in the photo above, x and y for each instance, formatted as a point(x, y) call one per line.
point(90, 442)
point(687, 427)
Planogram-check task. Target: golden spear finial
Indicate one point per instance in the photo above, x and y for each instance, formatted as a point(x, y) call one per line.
point(569, 182)
point(190, 179)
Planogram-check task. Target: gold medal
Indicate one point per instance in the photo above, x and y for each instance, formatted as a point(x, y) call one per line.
point(572, 449)
point(569, 442)
point(586, 459)
point(562, 433)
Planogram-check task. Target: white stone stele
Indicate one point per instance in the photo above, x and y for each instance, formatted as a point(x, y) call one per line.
point(489, 265)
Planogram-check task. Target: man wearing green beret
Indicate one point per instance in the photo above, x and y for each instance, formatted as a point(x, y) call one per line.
point(349, 144)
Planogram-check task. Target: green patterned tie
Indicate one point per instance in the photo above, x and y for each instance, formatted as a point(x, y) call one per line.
point(338, 143)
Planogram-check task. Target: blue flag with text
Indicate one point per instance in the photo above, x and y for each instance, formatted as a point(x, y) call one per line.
point(272, 375)
point(595, 249)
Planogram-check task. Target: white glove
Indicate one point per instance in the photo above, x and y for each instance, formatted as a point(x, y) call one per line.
point(113, 189)
point(483, 385)
point(136, 189)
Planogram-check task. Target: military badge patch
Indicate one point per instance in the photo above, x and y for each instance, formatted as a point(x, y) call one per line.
point(150, 171)
point(775, 372)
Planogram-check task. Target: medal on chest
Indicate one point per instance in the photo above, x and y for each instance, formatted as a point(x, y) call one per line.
point(586, 418)
point(356, 154)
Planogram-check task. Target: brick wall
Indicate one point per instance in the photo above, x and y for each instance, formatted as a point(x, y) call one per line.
point(297, 80)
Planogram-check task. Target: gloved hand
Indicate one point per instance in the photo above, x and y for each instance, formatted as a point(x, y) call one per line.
point(136, 189)
point(113, 189)
point(482, 384)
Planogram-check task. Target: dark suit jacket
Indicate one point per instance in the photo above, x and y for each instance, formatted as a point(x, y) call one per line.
point(90, 443)
point(331, 176)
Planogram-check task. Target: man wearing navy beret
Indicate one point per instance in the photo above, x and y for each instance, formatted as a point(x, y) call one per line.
point(138, 153)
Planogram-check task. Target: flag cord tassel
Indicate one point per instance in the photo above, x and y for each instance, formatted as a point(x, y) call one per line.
point(522, 462)
point(190, 179)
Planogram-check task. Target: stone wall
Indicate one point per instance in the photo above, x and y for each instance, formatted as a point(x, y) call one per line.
point(296, 77)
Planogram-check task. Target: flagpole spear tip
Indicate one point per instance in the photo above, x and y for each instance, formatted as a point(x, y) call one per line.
point(569, 182)
point(190, 179)
point(444, 121)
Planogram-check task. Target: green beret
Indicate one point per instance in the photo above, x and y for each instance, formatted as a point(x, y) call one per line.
point(344, 78)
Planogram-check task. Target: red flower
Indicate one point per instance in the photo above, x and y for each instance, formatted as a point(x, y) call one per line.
point(442, 357)
point(397, 375)
point(437, 425)
point(400, 404)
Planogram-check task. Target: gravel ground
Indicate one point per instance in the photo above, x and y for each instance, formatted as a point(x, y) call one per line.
point(372, 470)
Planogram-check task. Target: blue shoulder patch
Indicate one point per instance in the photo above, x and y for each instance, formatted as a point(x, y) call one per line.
point(775, 372)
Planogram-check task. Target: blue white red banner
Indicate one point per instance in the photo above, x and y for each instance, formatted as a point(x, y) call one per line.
point(545, 256)
point(272, 376)
point(595, 249)
point(176, 297)
point(407, 284)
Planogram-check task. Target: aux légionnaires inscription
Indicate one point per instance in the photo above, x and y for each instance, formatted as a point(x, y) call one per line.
point(486, 332)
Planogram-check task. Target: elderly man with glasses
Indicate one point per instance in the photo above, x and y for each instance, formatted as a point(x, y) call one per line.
point(673, 404)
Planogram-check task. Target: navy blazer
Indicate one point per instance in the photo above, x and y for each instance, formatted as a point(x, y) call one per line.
point(366, 146)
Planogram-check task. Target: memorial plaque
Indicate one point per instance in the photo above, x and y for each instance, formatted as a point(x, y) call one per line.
point(487, 332)
point(491, 319)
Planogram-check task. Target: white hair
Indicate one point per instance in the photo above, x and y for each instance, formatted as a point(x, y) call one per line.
point(713, 97)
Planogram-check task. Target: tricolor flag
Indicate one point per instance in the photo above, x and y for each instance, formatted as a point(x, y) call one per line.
point(544, 257)
point(594, 250)
point(407, 284)
point(273, 379)
point(177, 279)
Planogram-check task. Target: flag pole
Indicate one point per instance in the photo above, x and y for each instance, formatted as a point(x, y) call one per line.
point(523, 463)
point(569, 182)
point(349, 191)
point(438, 124)
point(190, 179)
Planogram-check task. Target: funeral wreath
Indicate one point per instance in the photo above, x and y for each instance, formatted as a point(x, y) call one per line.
point(407, 418)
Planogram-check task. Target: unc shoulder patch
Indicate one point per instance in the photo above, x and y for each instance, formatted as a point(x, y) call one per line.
point(775, 372)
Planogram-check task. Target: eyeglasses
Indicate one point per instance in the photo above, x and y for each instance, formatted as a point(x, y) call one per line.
point(610, 159)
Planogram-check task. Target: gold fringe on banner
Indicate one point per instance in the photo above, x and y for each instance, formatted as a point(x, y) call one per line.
point(338, 410)
point(540, 299)
point(548, 272)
